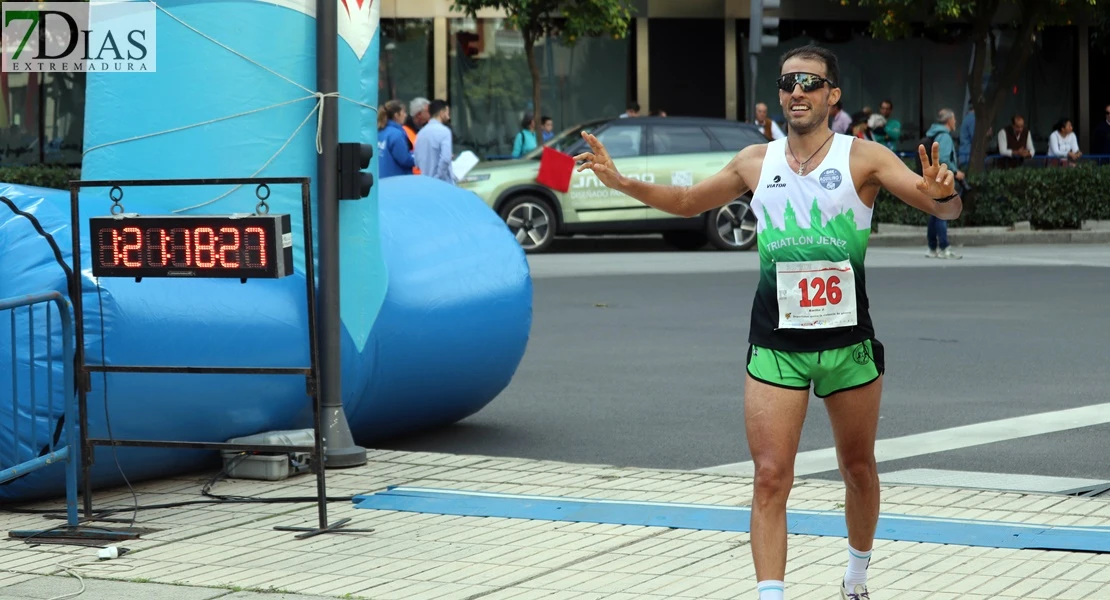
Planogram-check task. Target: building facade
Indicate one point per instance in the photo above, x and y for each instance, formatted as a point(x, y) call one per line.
point(690, 57)
point(685, 57)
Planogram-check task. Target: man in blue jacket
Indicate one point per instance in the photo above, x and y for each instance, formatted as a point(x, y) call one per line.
point(941, 132)
point(394, 156)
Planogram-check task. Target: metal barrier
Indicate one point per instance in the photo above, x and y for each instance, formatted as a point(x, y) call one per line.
point(51, 453)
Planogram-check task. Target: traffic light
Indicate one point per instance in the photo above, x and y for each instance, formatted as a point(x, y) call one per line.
point(354, 184)
point(763, 31)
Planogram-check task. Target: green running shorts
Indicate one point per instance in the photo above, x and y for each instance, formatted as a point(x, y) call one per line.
point(830, 371)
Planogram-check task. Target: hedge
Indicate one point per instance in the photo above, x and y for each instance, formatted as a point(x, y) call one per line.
point(47, 176)
point(1047, 197)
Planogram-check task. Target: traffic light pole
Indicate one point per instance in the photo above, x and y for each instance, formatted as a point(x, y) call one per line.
point(753, 61)
point(340, 449)
point(760, 24)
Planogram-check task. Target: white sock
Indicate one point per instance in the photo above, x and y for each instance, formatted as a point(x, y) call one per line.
point(771, 590)
point(857, 568)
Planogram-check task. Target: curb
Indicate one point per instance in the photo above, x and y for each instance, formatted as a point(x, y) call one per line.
point(958, 238)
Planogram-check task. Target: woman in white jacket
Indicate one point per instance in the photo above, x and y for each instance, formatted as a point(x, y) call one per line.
point(1062, 143)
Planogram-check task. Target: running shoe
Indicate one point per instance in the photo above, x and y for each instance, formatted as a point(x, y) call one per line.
point(860, 592)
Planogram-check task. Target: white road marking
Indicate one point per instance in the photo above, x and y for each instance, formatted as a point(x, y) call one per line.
point(965, 436)
point(989, 481)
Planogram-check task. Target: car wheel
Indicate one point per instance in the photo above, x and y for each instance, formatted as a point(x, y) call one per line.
point(685, 240)
point(732, 227)
point(532, 221)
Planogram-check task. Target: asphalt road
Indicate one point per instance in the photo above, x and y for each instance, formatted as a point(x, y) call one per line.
point(636, 358)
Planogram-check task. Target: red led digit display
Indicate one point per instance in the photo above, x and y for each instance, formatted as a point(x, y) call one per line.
point(248, 246)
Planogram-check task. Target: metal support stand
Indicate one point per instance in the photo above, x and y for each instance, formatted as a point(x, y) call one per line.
point(341, 451)
point(311, 373)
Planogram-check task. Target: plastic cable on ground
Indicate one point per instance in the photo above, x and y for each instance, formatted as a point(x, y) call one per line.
point(72, 570)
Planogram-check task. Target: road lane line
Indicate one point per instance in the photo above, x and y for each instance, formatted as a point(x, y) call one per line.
point(932, 442)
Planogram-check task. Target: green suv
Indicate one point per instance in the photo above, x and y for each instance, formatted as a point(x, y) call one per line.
point(667, 150)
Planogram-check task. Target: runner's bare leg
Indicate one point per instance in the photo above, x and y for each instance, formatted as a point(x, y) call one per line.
point(854, 415)
point(773, 418)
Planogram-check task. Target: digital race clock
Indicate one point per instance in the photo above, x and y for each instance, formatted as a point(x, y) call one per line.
point(237, 246)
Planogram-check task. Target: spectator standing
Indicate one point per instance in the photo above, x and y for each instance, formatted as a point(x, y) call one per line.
point(1062, 143)
point(967, 133)
point(941, 131)
point(525, 140)
point(433, 150)
point(418, 117)
point(547, 128)
point(967, 138)
point(394, 156)
point(841, 121)
point(1100, 138)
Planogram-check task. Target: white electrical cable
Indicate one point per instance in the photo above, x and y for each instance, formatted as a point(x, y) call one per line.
point(72, 570)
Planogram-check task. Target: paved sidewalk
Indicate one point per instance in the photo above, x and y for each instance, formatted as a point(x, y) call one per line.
point(892, 235)
point(230, 551)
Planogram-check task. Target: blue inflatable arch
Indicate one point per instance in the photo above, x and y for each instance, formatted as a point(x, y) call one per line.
point(433, 326)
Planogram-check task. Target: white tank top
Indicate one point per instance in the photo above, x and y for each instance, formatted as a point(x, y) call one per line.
point(829, 184)
point(801, 218)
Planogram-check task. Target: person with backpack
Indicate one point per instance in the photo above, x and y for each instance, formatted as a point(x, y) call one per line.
point(525, 140)
point(941, 133)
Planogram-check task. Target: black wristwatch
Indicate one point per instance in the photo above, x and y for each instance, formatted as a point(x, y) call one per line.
point(947, 198)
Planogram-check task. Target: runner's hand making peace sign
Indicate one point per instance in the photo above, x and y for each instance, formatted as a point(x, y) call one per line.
point(937, 180)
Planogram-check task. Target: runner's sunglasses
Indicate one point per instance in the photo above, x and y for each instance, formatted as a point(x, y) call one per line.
point(808, 81)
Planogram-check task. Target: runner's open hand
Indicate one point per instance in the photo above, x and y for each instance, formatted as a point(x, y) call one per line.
point(598, 161)
point(937, 181)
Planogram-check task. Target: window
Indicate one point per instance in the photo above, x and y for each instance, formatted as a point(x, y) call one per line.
point(735, 139)
point(405, 63)
point(680, 140)
point(622, 141)
point(569, 142)
point(42, 118)
point(490, 83)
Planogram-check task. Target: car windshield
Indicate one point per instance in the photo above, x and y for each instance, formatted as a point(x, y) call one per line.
point(564, 141)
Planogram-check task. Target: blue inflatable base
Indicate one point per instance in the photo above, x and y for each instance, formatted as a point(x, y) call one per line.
point(448, 335)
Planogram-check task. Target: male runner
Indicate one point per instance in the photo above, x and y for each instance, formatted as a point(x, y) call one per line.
point(813, 195)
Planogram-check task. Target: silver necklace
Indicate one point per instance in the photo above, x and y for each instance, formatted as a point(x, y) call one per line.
point(802, 165)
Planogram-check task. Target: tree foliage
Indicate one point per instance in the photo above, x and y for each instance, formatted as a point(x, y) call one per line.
point(565, 20)
point(974, 21)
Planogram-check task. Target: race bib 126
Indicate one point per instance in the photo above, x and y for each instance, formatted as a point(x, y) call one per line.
point(816, 295)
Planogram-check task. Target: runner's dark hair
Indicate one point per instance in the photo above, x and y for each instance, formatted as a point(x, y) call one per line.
point(815, 52)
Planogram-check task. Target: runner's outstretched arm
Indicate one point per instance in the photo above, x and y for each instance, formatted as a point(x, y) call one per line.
point(919, 191)
point(720, 189)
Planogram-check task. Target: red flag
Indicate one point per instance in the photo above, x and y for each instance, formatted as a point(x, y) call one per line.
point(556, 169)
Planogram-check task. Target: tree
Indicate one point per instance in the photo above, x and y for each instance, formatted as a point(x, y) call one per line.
point(973, 20)
point(566, 20)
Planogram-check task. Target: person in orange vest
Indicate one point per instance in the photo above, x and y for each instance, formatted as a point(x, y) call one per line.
point(418, 117)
